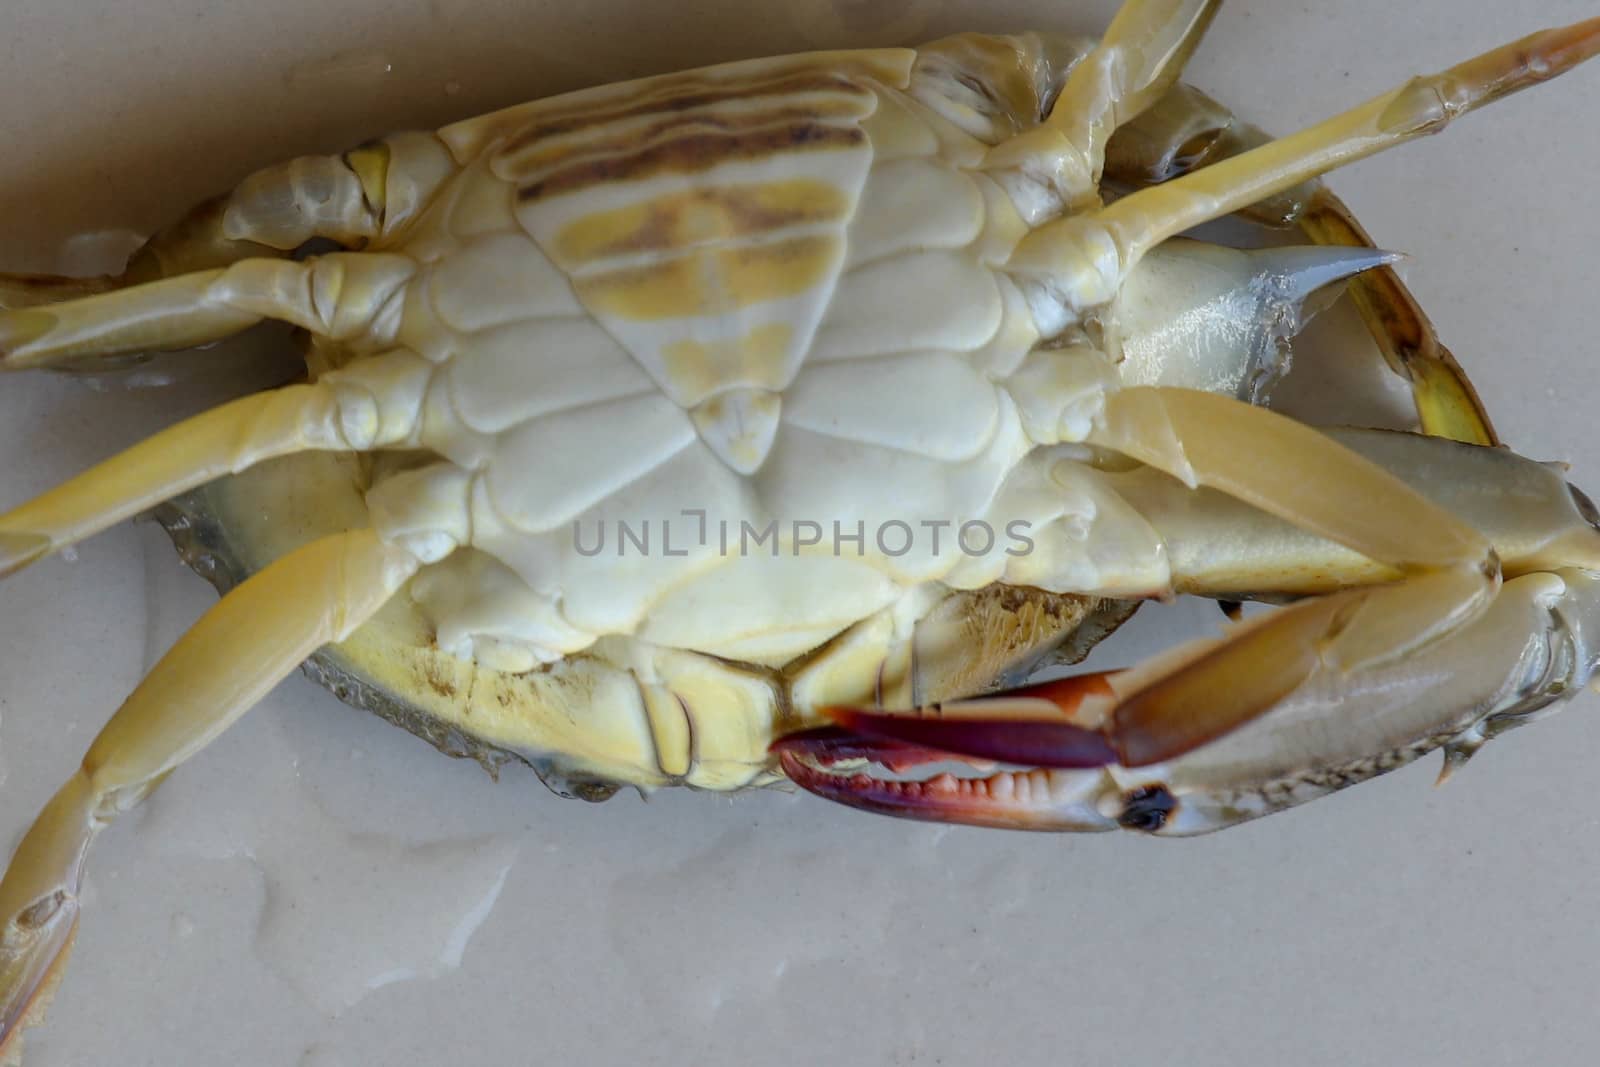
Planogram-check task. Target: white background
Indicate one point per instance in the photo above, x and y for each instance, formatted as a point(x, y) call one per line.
point(245, 914)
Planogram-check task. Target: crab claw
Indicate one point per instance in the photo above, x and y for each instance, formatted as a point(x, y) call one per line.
point(1047, 728)
point(1002, 729)
point(838, 745)
point(1161, 711)
point(1196, 740)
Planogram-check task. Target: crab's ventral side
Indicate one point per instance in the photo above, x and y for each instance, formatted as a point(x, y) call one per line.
point(712, 424)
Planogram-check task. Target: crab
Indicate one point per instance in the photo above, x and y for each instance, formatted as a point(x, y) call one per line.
point(635, 420)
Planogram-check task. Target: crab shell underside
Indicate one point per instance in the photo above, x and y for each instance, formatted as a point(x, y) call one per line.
point(584, 723)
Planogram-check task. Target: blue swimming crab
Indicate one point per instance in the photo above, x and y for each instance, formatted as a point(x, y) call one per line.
point(779, 420)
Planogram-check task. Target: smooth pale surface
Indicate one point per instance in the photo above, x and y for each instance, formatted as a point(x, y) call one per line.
point(314, 853)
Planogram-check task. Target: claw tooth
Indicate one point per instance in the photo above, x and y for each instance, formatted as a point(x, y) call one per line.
point(1002, 786)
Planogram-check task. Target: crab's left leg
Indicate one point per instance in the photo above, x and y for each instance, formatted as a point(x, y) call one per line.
point(228, 661)
point(1138, 59)
point(1448, 568)
point(342, 296)
point(370, 404)
point(348, 200)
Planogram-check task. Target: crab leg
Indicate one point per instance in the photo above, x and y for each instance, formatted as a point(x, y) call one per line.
point(1535, 521)
point(225, 440)
point(271, 213)
point(1085, 257)
point(228, 661)
point(1139, 58)
point(337, 296)
point(1218, 546)
point(1187, 130)
point(1291, 471)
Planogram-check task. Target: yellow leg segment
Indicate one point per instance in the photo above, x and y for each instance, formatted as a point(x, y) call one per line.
point(1138, 59)
point(228, 661)
point(1088, 255)
point(337, 296)
point(1289, 470)
point(270, 214)
point(225, 440)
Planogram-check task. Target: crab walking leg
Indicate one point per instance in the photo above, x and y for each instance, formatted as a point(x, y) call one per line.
point(339, 296)
point(1139, 58)
point(1218, 546)
point(225, 440)
point(239, 650)
point(340, 198)
point(1187, 130)
point(1085, 257)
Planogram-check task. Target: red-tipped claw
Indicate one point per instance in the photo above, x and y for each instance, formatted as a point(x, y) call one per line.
point(1030, 743)
point(1049, 729)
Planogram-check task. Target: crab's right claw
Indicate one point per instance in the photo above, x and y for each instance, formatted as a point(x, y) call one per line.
point(1044, 729)
point(833, 762)
point(1191, 744)
point(1289, 704)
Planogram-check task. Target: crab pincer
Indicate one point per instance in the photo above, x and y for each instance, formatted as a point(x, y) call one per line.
point(1128, 760)
point(710, 294)
point(1290, 704)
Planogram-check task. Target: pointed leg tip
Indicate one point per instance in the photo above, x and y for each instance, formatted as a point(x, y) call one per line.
point(1532, 60)
point(1568, 46)
point(29, 977)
